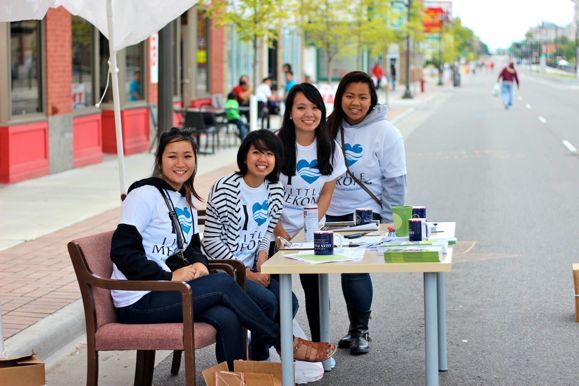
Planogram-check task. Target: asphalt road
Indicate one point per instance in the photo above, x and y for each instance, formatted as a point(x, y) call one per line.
point(511, 184)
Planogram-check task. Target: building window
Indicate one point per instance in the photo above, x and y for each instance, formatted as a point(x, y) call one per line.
point(202, 54)
point(26, 70)
point(82, 63)
point(135, 63)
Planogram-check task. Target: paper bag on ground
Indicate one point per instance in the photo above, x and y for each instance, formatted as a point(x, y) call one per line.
point(250, 373)
point(25, 370)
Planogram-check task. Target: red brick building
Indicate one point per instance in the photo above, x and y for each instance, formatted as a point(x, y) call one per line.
point(54, 71)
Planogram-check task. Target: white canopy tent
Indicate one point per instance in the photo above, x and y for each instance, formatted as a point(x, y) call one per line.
point(123, 22)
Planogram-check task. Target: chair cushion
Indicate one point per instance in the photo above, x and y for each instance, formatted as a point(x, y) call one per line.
point(162, 336)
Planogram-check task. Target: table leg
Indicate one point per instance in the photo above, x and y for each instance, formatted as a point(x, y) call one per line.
point(287, 354)
point(441, 298)
point(431, 329)
point(325, 314)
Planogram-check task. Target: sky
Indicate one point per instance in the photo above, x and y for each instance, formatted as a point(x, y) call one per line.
point(498, 23)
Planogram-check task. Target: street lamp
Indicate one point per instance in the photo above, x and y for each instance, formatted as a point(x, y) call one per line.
point(407, 93)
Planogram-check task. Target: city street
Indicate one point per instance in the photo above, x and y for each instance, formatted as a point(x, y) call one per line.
point(509, 181)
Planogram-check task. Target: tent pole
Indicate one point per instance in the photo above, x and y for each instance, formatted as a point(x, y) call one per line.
point(116, 99)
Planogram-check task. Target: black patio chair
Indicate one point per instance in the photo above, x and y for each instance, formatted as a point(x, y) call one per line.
point(195, 122)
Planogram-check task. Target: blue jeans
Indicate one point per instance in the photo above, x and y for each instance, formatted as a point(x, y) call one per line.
point(217, 300)
point(356, 287)
point(507, 93)
point(242, 127)
point(267, 298)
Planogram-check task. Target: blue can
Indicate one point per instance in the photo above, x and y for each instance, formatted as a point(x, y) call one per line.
point(417, 229)
point(323, 243)
point(363, 216)
point(419, 212)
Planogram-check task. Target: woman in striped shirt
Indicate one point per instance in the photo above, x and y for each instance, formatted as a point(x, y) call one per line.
point(242, 211)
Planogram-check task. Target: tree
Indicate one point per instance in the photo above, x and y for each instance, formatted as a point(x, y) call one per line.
point(254, 20)
point(325, 26)
point(371, 29)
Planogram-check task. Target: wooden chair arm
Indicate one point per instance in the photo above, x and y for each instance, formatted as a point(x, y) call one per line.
point(234, 268)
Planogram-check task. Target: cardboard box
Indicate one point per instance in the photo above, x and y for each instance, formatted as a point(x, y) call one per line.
point(246, 373)
point(576, 281)
point(26, 370)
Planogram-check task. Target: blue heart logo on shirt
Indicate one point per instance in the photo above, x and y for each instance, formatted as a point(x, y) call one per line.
point(308, 171)
point(353, 153)
point(260, 212)
point(185, 219)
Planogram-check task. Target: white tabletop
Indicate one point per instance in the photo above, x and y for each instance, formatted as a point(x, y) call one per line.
point(372, 262)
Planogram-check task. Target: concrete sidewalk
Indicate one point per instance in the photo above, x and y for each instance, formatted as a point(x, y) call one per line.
point(39, 296)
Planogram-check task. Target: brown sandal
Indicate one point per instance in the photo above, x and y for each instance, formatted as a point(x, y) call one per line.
point(308, 351)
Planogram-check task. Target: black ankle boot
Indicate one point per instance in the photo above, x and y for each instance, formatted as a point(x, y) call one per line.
point(360, 336)
point(346, 340)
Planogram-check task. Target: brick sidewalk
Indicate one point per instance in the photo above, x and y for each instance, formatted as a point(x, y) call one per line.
point(37, 278)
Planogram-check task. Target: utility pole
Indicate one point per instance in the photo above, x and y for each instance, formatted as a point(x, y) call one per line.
point(407, 93)
point(576, 37)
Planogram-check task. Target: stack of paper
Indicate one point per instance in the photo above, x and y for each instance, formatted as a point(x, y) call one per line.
point(412, 254)
point(340, 255)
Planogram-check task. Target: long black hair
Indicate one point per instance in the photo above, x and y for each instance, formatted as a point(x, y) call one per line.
point(177, 135)
point(287, 133)
point(337, 116)
point(262, 140)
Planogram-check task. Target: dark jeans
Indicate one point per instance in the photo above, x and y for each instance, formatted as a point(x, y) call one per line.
point(356, 287)
point(241, 127)
point(217, 300)
point(267, 298)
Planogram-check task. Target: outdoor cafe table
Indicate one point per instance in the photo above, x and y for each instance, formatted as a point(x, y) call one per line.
point(372, 262)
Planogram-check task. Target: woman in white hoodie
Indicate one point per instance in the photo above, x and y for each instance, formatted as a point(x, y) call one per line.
point(376, 179)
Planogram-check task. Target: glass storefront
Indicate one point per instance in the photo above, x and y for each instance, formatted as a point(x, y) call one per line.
point(25, 67)
point(82, 63)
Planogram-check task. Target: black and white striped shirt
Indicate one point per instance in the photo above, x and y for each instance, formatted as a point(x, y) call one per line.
point(223, 221)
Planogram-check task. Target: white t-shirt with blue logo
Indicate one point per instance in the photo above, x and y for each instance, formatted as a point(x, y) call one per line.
point(374, 153)
point(304, 188)
point(145, 209)
point(254, 213)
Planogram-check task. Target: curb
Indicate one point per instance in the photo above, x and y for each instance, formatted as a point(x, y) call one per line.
point(50, 334)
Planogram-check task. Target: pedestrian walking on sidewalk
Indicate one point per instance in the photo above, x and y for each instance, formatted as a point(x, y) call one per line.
point(158, 239)
point(242, 211)
point(508, 76)
point(313, 161)
point(376, 179)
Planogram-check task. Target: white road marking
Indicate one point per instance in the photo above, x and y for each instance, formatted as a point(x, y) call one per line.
point(528, 106)
point(543, 120)
point(569, 146)
point(520, 98)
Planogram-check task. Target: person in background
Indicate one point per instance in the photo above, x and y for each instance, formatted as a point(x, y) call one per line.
point(313, 161)
point(378, 73)
point(289, 83)
point(150, 245)
point(263, 95)
point(392, 76)
point(233, 116)
point(135, 87)
point(242, 93)
point(286, 67)
point(242, 211)
point(376, 159)
point(508, 76)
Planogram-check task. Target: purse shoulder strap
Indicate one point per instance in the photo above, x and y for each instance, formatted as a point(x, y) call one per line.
point(175, 222)
point(352, 174)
